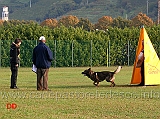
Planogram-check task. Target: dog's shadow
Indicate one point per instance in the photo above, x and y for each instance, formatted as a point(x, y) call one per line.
point(72, 86)
point(100, 86)
point(92, 86)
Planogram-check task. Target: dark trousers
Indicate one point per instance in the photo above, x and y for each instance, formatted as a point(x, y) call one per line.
point(142, 74)
point(14, 71)
point(42, 79)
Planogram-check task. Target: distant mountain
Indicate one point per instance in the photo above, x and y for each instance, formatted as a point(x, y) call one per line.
point(40, 10)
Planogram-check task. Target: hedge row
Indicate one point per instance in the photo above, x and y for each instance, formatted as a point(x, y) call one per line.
point(75, 46)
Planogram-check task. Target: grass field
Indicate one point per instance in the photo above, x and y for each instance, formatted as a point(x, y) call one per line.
point(73, 96)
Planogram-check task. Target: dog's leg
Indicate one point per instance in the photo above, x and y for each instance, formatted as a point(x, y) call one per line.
point(113, 78)
point(97, 83)
point(112, 82)
point(94, 83)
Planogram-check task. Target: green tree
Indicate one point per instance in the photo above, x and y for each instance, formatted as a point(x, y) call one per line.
point(85, 24)
point(121, 23)
point(77, 1)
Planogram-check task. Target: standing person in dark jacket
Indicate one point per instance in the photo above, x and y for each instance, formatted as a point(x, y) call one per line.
point(42, 57)
point(14, 61)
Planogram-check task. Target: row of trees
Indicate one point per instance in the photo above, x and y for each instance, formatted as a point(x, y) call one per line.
point(75, 46)
point(102, 24)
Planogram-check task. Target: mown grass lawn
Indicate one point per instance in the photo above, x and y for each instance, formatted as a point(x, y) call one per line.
point(74, 96)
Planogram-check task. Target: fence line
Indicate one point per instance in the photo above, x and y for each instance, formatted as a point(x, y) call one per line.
point(65, 49)
point(0, 54)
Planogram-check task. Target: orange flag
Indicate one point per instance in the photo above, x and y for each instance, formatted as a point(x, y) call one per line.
point(151, 62)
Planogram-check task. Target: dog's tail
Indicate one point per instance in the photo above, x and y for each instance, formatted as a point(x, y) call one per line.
point(118, 69)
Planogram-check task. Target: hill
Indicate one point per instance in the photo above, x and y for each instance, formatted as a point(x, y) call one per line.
point(40, 10)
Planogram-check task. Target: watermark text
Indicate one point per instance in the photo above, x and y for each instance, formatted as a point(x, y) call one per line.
point(81, 95)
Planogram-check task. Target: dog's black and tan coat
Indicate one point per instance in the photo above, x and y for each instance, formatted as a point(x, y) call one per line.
point(101, 76)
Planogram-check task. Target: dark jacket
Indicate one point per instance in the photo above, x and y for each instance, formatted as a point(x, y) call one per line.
point(14, 52)
point(42, 56)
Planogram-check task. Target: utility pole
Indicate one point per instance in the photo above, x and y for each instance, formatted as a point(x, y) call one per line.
point(147, 7)
point(126, 16)
point(87, 2)
point(30, 4)
point(158, 11)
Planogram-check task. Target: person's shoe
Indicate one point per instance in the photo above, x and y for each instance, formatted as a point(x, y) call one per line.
point(46, 90)
point(15, 87)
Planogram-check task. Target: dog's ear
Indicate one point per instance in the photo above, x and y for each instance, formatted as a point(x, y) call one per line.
point(89, 69)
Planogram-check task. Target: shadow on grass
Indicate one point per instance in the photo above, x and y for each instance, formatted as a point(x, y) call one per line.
point(33, 88)
point(73, 86)
point(135, 85)
point(101, 86)
point(89, 86)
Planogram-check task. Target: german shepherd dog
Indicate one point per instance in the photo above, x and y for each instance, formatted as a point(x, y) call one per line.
point(101, 76)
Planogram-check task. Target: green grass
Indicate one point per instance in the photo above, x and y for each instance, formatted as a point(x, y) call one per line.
point(74, 96)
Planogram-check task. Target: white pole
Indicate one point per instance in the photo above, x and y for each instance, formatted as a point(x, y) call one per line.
point(107, 57)
point(158, 11)
point(91, 54)
point(30, 4)
point(55, 54)
point(72, 53)
point(109, 53)
point(126, 16)
point(87, 2)
point(147, 7)
point(128, 52)
point(0, 53)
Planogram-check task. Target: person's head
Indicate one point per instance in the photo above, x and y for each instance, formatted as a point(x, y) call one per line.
point(42, 39)
point(18, 41)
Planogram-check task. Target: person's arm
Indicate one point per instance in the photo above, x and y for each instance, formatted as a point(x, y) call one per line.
point(13, 55)
point(33, 57)
point(140, 59)
point(50, 54)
